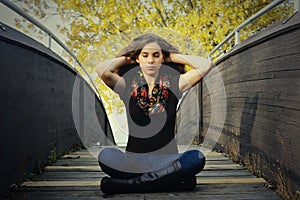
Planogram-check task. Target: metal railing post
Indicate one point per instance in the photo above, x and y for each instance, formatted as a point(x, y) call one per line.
point(49, 43)
point(296, 5)
point(74, 63)
point(237, 37)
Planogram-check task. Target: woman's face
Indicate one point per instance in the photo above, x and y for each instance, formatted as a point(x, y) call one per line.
point(150, 59)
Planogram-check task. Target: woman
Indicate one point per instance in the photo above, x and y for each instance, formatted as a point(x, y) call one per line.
point(149, 76)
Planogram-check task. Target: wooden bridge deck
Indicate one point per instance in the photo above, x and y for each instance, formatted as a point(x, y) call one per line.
point(77, 176)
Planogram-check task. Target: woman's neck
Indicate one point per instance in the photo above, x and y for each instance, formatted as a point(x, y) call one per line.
point(150, 79)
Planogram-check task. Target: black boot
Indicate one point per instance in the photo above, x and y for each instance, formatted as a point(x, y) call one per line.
point(170, 178)
point(111, 186)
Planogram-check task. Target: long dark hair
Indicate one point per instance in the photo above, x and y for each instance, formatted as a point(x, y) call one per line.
point(137, 44)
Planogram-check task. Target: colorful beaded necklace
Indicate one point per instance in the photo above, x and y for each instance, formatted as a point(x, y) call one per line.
point(157, 101)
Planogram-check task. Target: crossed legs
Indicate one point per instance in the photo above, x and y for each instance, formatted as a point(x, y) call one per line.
point(130, 174)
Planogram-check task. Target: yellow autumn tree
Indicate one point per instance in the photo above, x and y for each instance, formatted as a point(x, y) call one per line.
point(98, 29)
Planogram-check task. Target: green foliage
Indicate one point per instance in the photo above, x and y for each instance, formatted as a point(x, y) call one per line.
point(98, 29)
point(52, 157)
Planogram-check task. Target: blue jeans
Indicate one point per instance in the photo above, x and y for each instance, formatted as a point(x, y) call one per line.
point(118, 164)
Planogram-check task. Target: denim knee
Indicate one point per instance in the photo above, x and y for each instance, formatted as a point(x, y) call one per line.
point(106, 154)
point(192, 161)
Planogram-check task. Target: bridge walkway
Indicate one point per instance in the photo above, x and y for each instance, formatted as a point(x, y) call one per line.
point(77, 176)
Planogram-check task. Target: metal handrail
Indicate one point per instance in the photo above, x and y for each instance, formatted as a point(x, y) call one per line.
point(236, 31)
point(51, 36)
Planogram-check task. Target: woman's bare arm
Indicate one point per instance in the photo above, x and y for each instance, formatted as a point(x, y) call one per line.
point(108, 72)
point(200, 67)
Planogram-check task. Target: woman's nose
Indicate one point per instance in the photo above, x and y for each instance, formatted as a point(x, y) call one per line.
point(150, 59)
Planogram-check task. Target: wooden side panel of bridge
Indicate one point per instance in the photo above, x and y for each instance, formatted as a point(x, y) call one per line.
point(77, 176)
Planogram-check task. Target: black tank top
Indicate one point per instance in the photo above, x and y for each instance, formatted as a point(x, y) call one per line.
point(154, 133)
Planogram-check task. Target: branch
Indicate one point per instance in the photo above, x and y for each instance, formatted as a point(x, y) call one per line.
point(190, 3)
point(160, 14)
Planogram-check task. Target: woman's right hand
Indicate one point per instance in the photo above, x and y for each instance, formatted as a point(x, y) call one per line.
point(130, 60)
point(168, 59)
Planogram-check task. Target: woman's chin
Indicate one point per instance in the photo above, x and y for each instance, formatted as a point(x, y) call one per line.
point(151, 72)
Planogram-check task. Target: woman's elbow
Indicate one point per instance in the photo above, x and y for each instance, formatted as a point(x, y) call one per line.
point(100, 69)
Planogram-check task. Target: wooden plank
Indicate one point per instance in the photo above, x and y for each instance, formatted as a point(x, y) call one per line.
point(80, 162)
point(93, 168)
point(229, 180)
point(96, 168)
point(75, 163)
point(71, 175)
point(56, 175)
point(60, 183)
point(223, 167)
point(202, 188)
point(225, 173)
point(201, 180)
point(75, 156)
point(220, 158)
point(218, 162)
point(161, 196)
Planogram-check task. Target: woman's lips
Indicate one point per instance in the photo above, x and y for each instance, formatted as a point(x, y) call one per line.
point(151, 67)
